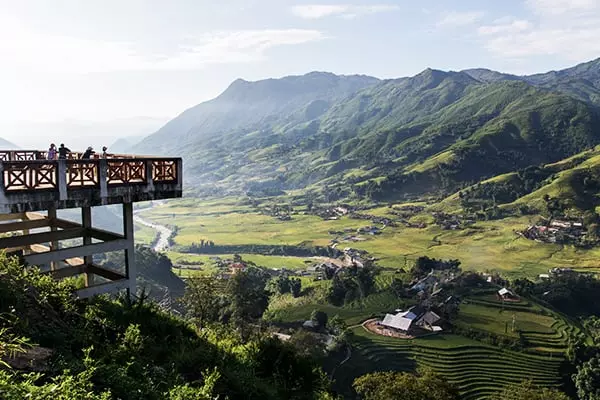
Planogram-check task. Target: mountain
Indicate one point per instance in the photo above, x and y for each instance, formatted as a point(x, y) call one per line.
point(78, 135)
point(581, 81)
point(125, 145)
point(6, 145)
point(247, 106)
point(344, 136)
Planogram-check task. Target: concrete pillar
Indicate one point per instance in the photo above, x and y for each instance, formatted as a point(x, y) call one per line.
point(130, 270)
point(86, 222)
point(62, 180)
point(102, 177)
point(54, 245)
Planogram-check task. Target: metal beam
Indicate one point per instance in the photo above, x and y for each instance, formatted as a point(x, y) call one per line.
point(12, 217)
point(108, 287)
point(77, 251)
point(65, 224)
point(67, 272)
point(103, 235)
point(128, 229)
point(86, 222)
point(22, 225)
point(36, 238)
point(104, 272)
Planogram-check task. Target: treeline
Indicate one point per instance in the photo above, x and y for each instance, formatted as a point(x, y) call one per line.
point(209, 247)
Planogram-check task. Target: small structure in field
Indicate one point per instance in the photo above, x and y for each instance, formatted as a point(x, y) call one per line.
point(506, 295)
point(237, 267)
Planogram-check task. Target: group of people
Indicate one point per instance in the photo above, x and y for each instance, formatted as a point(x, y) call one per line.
point(62, 152)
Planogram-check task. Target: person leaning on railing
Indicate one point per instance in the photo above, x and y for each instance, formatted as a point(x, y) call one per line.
point(63, 152)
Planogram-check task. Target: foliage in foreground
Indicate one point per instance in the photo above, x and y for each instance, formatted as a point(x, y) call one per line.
point(104, 349)
point(527, 390)
point(426, 385)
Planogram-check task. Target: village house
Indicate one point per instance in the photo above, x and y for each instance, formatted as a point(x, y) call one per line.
point(408, 322)
point(237, 267)
point(507, 295)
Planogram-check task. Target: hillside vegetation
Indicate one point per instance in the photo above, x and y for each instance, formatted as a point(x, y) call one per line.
point(359, 137)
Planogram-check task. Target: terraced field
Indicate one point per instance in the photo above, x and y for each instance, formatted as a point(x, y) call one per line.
point(545, 331)
point(477, 369)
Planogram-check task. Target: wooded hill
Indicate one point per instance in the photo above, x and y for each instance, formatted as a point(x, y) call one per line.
point(359, 136)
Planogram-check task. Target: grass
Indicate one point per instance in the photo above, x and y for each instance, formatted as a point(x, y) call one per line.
point(488, 245)
point(292, 263)
point(144, 234)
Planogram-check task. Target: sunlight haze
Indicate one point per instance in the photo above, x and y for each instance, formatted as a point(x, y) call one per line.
point(96, 62)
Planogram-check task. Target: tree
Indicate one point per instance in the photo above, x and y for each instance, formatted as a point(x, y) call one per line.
point(295, 286)
point(527, 390)
point(279, 285)
point(201, 299)
point(308, 344)
point(246, 291)
point(319, 318)
point(426, 385)
point(397, 287)
point(587, 379)
point(340, 332)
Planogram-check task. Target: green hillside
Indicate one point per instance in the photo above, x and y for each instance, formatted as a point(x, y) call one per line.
point(359, 137)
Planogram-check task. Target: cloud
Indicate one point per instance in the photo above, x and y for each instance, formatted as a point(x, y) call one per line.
point(560, 7)
point(566, 28)
point(455, 19)
point(317, 11)
point(514, 26)
point(22, 48)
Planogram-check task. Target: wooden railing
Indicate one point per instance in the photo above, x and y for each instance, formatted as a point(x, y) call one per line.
point(34, 174)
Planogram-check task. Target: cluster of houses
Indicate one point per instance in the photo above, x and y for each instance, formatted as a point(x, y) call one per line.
point(451, 221)
point(556, 231)
point(375, 219)
point(333, 213)
point(352, 235)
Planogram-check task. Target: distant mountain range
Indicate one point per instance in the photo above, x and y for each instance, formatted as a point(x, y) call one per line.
point(78, 135)
point(6, 145)
point(344, 136)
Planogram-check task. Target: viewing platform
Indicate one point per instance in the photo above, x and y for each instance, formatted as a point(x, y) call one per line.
point(31, 184)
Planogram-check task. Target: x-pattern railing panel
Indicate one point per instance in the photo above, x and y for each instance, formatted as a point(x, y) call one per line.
point(38, 176)
point(82, 173)
point(126, 172)
point(164, 170)
point(25, 171)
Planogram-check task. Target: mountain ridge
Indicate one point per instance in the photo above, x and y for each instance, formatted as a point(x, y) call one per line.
point(294, 132)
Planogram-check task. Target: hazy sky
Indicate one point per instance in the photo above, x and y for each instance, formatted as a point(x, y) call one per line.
point(102, 60)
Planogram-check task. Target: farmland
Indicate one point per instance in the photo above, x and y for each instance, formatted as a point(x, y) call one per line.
point(537, 336)
point(487, 245)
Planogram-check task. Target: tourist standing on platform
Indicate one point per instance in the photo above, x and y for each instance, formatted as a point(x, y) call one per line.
point(63, 151)
point(52, 152)
point(104, 153)
point(88, 153)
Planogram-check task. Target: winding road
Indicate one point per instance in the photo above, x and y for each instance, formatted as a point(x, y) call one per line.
point(163, 232)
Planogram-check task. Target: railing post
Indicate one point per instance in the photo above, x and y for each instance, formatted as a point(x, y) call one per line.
point(102, 177)
point(62, 180)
